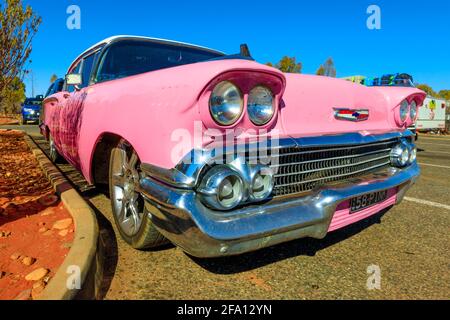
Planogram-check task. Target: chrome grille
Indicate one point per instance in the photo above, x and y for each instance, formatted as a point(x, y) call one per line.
point(304, 169)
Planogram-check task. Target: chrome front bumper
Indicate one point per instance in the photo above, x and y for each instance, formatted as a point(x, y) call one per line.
point(181, 217)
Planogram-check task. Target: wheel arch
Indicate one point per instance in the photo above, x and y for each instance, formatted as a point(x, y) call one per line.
point(99, 171)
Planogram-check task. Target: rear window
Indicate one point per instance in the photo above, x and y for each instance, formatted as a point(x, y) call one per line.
point(128, 58)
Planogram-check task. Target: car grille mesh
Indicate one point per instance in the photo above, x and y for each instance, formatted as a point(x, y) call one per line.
point(304, 169)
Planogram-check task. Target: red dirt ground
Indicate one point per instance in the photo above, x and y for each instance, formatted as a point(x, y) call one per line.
point(28, 210)
point(7, 120)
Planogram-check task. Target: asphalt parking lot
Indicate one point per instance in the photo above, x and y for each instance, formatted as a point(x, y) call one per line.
point(409, 244)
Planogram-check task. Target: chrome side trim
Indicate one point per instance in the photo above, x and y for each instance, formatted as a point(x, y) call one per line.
point(171, 177)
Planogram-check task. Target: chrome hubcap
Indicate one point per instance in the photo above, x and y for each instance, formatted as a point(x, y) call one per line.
point(128, 204)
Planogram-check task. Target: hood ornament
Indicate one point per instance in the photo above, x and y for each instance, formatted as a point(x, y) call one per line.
point(355, 115)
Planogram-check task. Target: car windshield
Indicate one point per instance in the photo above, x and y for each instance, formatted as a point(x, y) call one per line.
point(131, 57)
point(33, 102)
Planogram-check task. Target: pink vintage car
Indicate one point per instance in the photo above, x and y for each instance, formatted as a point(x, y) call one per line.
point(222, 155)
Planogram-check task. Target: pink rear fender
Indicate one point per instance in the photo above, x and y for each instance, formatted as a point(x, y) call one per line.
point(310, 102)
point(156, 112)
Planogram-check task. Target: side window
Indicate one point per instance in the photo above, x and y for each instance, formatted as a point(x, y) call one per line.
point(76, 69)
point(88, 64)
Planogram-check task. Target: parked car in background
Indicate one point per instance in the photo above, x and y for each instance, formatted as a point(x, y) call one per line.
point(31, 110)
point(222, 155)
point(55, 87)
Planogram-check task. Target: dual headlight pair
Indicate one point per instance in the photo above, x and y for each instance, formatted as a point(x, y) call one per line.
point(226, 104)
point(403, 154)
point(224, 187)
point(408, 109)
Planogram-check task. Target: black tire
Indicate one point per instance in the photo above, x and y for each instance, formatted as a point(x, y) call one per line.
point(143, 235)
point(54, 154)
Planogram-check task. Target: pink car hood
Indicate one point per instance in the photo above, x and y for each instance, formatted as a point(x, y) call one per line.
point(309, 103)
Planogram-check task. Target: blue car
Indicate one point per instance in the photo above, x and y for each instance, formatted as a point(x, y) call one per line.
point(31, 110)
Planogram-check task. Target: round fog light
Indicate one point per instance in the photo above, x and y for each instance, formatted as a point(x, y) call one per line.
point(413, 155)
point(230, 192)
point(262, 184)
point(222, 188)
point(400, 155)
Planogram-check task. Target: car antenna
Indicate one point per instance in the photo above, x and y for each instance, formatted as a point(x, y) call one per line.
point(245, 52)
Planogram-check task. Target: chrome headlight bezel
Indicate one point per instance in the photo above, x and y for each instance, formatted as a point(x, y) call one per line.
point(413, 110)
point(262, 183)
point(212, 183)
point(400, 155)
point(404, 111)
point(412, 154)
point(224, 112)
point(261, 112)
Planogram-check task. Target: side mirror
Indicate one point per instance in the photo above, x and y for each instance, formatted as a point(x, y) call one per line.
point(74, 79)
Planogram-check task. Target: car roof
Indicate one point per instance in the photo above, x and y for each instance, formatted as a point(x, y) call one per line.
point(131, 37)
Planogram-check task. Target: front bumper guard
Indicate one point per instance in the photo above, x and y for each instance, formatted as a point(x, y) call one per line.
point(181, 217)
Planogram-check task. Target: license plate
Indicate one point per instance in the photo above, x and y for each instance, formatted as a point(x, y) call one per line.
point(367, 200)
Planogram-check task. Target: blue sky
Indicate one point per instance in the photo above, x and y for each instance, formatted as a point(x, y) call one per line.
point(414, 35)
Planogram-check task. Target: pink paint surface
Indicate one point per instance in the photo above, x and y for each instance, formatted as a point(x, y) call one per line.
point(343, 217)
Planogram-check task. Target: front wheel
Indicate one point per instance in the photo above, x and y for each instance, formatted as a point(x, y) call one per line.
point(131, 216)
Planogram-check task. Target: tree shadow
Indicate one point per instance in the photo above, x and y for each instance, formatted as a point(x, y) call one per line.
point(107, 253)
point(13, 212)
point(302, 247)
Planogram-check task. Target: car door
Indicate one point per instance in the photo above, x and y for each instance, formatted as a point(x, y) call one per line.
point(72, 109)
point(53, 107)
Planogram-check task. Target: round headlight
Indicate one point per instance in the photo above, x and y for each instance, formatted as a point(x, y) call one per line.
point(222, 188)
point(413, 155)
point(260, 105)
point(400, 155)
point(413, 110)
point(226, 103)
point(262, 184)
point(404, 111)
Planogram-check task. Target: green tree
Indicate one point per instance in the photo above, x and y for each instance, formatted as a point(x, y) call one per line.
point(427, 89)
point(53, 78)
point(445, 94)
point(18, 26)
point(320, 71)
point(288, 65)
point(327, 69)
point(12, 97)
